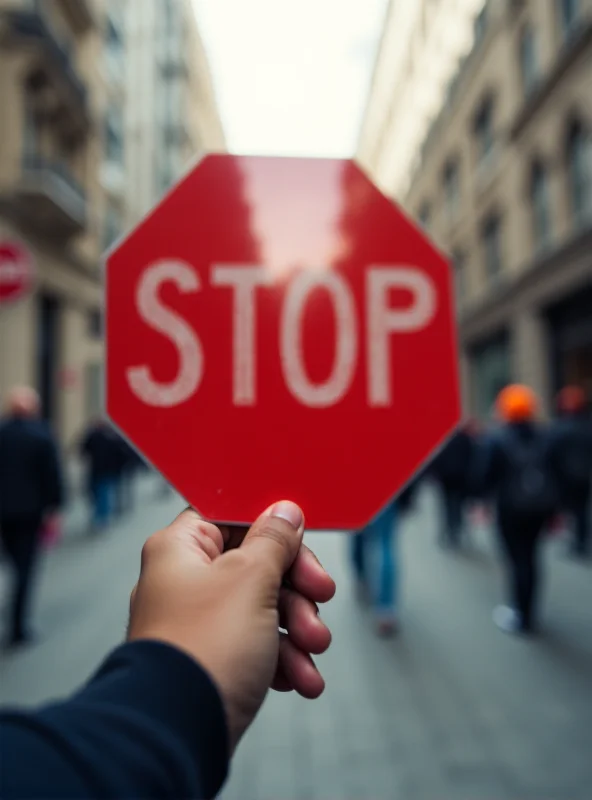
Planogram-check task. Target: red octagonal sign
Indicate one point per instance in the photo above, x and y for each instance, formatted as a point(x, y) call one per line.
point(276, 328)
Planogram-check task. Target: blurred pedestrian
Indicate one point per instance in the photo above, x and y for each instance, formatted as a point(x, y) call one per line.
point(126, 463)
point(163, 715)
point(31, 494)
point(572, 440)
point(516, 467)
point(375, 562)
point(100, 449)
point(450, 470)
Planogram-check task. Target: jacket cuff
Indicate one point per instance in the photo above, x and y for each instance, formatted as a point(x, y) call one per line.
point(172, 689)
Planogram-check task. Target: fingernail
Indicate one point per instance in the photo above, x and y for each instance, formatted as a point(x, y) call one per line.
point(289, 511)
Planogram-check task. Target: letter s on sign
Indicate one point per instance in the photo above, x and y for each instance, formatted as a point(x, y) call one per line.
point(169, 323)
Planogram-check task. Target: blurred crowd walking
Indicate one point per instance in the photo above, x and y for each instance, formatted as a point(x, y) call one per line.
point(33, 492)
point(530, 477)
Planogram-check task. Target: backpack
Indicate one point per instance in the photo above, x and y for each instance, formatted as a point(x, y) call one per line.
point(529, 488)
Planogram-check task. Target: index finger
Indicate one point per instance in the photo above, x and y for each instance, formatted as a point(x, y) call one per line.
point(308, 577)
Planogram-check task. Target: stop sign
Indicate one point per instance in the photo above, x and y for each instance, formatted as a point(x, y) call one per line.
point(277, 328)
point(16, 271)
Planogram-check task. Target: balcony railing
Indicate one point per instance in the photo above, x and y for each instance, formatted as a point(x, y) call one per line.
point(30, 25)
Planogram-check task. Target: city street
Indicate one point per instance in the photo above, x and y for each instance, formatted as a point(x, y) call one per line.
point(451, 709)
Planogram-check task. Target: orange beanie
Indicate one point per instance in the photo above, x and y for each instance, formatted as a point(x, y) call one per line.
point(517, 403)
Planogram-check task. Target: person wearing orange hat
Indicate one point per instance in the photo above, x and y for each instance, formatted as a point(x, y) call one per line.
point(572, 440)
point(517, 469)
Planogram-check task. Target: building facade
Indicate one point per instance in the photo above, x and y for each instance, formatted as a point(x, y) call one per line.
point(504, 187)
point(51, 202)
point(104, 103)
point(421, 46)
point(171, 115)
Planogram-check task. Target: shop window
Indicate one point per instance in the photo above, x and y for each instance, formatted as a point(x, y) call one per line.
point(491, 242)
point(529, 67)
point(490, 371)
point(48, 353)
point(579, 172)
point(540, 206)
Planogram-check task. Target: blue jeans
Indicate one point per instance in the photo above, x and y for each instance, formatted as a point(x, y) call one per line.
point(374, 559)
point(102, 500)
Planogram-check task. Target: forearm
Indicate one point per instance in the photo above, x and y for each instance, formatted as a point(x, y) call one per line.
point(149, 724)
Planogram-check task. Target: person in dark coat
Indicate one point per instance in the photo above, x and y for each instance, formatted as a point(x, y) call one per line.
point(515, 465)
point(572, 440)
point(163, 715)
point(127, 462)
point(450, 470)
point(31, 489)
point(101, 450)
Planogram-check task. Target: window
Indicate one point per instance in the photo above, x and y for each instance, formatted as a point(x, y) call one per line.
point(114, 49)
point(480, 25)
point(568, 15)
point(458, 265)
point(490, 372)
point(528, 59)
point(452, 189)
point(539, 203)
point(114, 135)
point(483, 128)
point(95, 323)
point(491, 243)
point(30, 131)
point(94, 389)
point(425, 213)
point(579, 171)
point(111, 225)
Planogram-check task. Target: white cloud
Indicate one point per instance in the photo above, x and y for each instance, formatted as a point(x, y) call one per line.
point(291, 75)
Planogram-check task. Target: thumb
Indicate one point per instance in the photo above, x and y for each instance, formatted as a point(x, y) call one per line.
point(275, 537)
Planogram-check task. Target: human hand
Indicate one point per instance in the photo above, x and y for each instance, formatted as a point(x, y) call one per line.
point(220, 595)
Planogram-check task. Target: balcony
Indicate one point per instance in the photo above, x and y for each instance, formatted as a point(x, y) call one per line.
point(51, 71)
point(47, 197)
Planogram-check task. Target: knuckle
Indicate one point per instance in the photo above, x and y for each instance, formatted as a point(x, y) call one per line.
point(271, 529)
point(236, 560)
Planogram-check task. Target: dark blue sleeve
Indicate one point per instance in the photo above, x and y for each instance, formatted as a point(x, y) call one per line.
point(150, 724)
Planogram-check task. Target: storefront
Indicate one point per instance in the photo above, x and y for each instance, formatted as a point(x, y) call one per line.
point(490, 370)
point(48, 332)
point(570, 327)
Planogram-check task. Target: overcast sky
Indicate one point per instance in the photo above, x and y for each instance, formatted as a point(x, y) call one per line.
point(291, 75)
